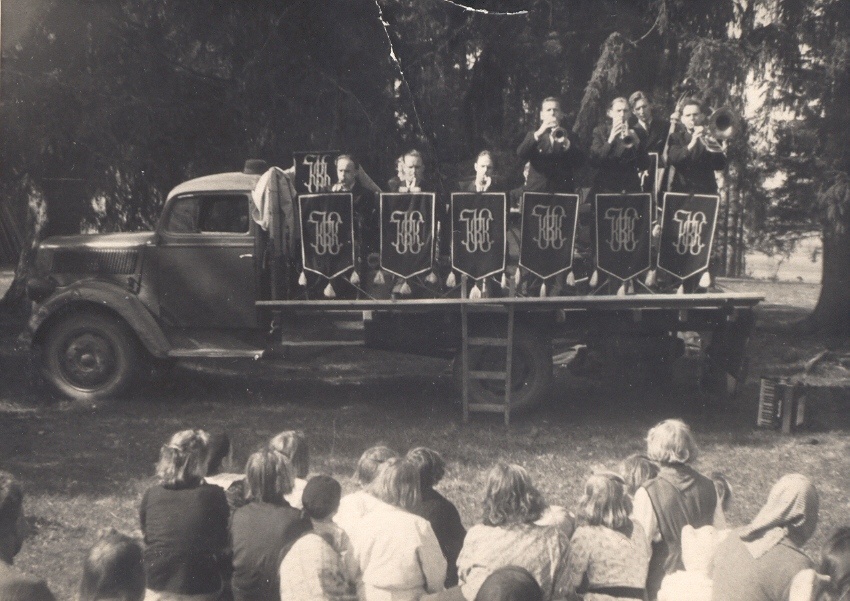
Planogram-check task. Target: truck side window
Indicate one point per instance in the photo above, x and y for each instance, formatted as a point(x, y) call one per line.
point(209, 214)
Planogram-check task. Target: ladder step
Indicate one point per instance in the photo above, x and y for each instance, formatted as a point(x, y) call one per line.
point(488, 375)
point(487, 407)
point(488, 341)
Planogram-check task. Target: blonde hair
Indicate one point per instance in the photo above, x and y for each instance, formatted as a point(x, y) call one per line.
point(267, 477)
point(292, 444)
point(397, 484)
point(370, 463)
point(637, 470)
point(671, 441)
point(510, 497)
point(182, 461)
point(605, 502)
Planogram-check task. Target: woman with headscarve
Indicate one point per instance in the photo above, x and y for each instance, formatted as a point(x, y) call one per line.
point(758, 562)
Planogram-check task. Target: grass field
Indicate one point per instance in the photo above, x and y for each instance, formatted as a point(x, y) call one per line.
point(85, 468)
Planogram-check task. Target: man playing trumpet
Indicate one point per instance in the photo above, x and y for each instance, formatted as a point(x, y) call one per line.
point(694, 154)
point(617, 152)
point(551, 152)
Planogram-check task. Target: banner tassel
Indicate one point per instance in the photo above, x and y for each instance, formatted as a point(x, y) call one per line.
point(484, 287)
point(302, 279)
point(517, 276)
point(475, 293)
point(329, 291)
point(451, 282)
point(432, 278)
point(680, 289)
point(379, 277)
point(355, 278)
point(630, 287)
point(705, 280)
point(621, 291)
point(594, 279)
point(504, 281)
point(543, 289)
point(404, 288)
point(571, 279)
point(651, 278)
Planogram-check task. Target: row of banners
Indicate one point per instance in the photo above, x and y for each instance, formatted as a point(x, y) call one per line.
point(479, 224)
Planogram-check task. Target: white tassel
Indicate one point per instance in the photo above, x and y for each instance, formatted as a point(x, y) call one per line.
point(630, 287)
point(432, 278)
point(475, 293)
point(651, 278)
point(680, 289)
point(517, 276)
point(302, 279)
point(451, 282)
point(705, 280)
point(379, 277)
point(543, 290)
point(355, 278)
point(621, 291)
point(329, 291)
point(594, 279)
point(571, 279)
point(484, 287)
point(504, 281)
point(404, 288)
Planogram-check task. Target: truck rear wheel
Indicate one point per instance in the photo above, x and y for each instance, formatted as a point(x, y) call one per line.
point(531, 373)
point(89, 356)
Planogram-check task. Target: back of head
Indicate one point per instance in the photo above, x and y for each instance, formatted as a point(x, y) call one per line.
point(510, 497)
point(113, 570)
point(638, 470)
point(218, 449)
point(321, 496)
point(510, 583)
point(605, 502)
point(182, 461)
point(397, 484)
point(292, 444)
point(430, 463)
point(267, 477)
point(791, 510)
point(370, 463)
point(671, 442)
point(11, 503)
point(835, 562)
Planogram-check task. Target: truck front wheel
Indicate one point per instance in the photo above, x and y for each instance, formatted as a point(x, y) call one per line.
point(531, 373)
point(89, 355)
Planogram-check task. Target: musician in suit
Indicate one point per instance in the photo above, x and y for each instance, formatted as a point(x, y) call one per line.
point(485, 179)
point(413, 176)
point(694, 158)
point(617, 152)
point(653, 132)
point(366, 224)
point(551, 151)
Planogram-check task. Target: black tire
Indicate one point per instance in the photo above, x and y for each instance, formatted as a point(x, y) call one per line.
point(89, 356)
point(531, 371)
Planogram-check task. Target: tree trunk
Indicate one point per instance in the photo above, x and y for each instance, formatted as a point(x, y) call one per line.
point(15, 300)
point(832, 312)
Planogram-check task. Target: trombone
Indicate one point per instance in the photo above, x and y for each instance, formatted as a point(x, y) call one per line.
point(723, 124)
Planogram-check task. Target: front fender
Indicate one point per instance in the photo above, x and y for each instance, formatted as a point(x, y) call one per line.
point(112, 298)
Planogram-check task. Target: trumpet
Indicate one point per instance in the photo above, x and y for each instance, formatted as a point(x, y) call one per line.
point(628, 139)
point(559, 136)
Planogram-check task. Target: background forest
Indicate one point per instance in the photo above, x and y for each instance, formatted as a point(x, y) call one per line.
point(107, 104)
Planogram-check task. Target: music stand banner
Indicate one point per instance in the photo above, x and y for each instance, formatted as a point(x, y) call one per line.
point(407, 233)
point(478, 233)
point(315, 171)
point(623, 234)
point(327, 233)
point(687, 232)
point(548, 232)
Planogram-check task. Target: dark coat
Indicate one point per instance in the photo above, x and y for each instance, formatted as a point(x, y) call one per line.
point(551, 169)
point(695, 167)
point(616, 165)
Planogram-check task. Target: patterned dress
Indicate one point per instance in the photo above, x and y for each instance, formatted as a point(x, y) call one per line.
point(601, 557)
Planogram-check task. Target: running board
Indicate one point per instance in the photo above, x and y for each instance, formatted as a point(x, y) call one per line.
point(216, 353)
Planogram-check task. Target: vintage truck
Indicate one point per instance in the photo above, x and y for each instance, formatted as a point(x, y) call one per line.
point(109, 306)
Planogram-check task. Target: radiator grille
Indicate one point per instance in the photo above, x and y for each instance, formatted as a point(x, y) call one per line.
point(95, 261)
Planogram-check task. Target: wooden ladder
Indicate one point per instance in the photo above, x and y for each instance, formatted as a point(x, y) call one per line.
point(468, 342)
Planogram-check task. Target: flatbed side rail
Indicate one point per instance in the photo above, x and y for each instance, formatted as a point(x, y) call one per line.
point(732, 300)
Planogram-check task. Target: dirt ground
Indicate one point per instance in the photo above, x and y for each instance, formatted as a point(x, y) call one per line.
point(84, 468)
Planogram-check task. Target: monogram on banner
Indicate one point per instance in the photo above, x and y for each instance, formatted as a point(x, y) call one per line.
point(623, 234)
point(479, 240)
point(407, 233)
point(687, 232)
point(315, 171)
point(548, 232)
point(327, 233)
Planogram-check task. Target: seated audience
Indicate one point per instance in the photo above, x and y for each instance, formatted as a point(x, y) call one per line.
point(509, 536)
point(292, 444)
point(220, 461)
point(609, 553)
point(678, 496)
point(693, 583)
point(439, 511)
point(320, 565)
point(637, 471)
point(354, 506)
point(14, 584)
point(113, 570)
point(831, 581)
point(260, 530)
point(397, 551)
point(759, 561)
point(510, 583)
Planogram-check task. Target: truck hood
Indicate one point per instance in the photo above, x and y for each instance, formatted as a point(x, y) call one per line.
point(124, 240)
